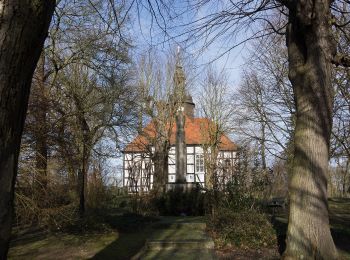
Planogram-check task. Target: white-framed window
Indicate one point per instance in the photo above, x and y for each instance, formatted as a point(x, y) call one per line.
point(199, 163)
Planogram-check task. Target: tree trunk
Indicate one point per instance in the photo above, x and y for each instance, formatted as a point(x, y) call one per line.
point(82, 176)
point(160, 160)
point(86, 149)
point(310, 50)
point(345, 178)
point(81, 191)
point(263, 146)
point(23, 28)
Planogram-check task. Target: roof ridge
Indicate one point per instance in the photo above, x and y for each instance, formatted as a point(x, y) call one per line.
point(194, 135)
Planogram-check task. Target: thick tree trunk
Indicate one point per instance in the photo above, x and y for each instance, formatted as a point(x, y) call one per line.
point(23, 28)
point(310, 50)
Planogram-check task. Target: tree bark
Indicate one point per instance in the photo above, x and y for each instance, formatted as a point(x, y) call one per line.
point(82, 175)
point(263, 146)
point(85, 155)
point(310, 50)
point(23, 29)
point(160, 160)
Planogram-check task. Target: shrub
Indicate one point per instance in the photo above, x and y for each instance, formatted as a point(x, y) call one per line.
point(176, 202)
point(172, 203)
point(243, 228)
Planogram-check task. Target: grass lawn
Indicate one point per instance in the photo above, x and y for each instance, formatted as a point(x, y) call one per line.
point(62, 246)
point(111, 245)
point(126, 235)
point(339, 213)
point(123, 239)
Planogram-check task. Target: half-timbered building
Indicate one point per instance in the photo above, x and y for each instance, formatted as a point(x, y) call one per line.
point(138, 166)
point(186, 154)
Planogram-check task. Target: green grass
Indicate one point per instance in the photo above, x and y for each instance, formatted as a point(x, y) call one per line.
point(339, 209)
point(126, 234)
point(62, 246)
point(112, 245)
point(339, 215)
point(110, 236)
point(122, 237)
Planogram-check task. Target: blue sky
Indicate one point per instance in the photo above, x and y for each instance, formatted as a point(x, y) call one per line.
point(147, 34)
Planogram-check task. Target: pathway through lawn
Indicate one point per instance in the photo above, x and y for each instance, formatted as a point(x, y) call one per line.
point(164, 238)
point(178, 238)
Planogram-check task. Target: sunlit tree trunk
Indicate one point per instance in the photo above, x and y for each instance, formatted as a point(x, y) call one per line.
point(310, 50)
point(160, 160)
point(23, 28)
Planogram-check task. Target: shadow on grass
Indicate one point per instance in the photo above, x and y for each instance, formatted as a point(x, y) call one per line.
point(133, 232)
point(339, 221)
point(124, 247)
point(280, 225)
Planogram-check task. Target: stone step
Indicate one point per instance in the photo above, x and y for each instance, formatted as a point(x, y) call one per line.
point(178, 238)
point(179, 244)
point(181, 219)
point(170, 254)
point(178, 234)
point(187, 226)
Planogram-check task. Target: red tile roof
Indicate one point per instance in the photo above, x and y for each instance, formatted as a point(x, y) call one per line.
point(196, 133)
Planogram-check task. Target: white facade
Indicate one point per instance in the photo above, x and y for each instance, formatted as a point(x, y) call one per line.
point(138, 168)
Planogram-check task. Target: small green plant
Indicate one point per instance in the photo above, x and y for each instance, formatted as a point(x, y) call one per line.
point(236, 216)
point(244, 228)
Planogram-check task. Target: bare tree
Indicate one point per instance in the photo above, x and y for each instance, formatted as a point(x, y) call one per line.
point(78, 99)
point(159, 101)
point(23, 29)
point(340, 142)
point(264, 101)
point(215, 105)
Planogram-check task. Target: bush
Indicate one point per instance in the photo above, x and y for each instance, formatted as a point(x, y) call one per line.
point(244, 228)
point(176, 202)
point(53, 211)
point(172, 203)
